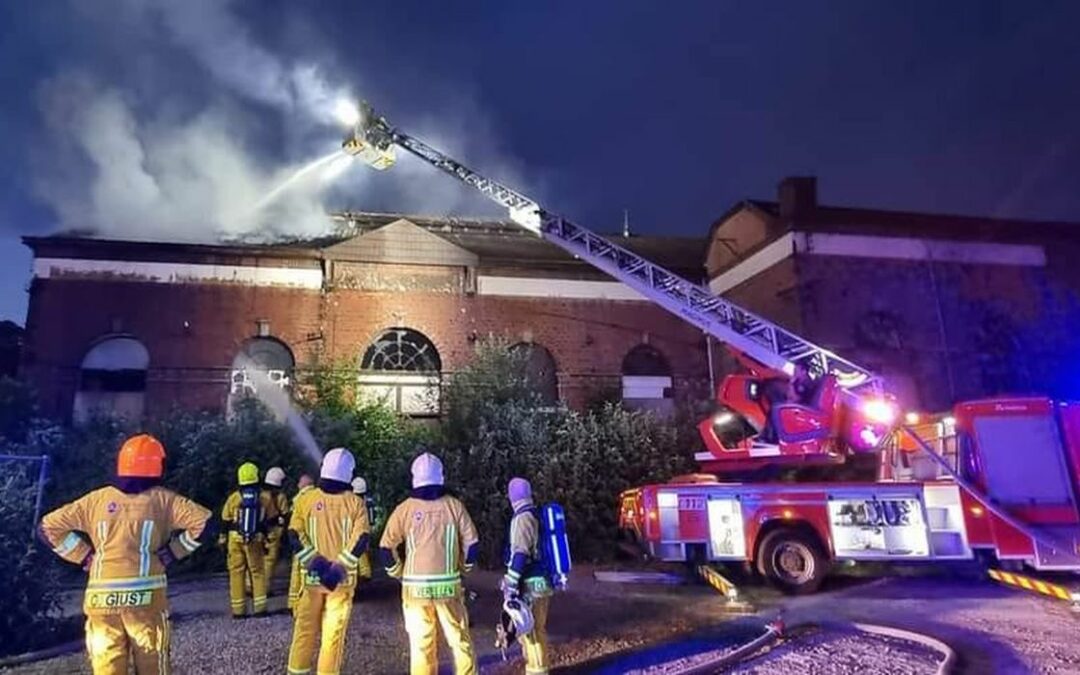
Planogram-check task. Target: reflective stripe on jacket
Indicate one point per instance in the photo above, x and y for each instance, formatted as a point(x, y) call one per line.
point(437, 534)
point(125, 532)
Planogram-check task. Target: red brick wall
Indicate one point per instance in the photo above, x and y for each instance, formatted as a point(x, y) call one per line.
point(189, 364)
point(884, 314)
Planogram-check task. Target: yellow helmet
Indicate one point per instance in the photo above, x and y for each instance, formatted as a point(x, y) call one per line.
point(247, 474)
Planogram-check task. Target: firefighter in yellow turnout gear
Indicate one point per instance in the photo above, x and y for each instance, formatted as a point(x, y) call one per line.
point(525, 576)
point(329, 527)
point(440, 544)
point(276, 530)
point(306, 485)
point(123, 536)
point(245, 517)
point(359, 487)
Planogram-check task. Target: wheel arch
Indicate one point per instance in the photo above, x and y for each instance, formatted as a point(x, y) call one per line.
point(794, 524)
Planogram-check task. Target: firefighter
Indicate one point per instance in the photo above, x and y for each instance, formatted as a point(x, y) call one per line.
point(305, 485)
point(123, 536)
point(329, 527)
point(526, 577)
point(440, 544)
point(272, 484)
point(246, 516)
point(359, 486)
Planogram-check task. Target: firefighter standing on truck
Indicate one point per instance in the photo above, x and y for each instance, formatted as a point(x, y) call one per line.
point(245, 519)
point(123, 536)
point(305, 485)
point(526, 576)
point(440, 544)
point(273, 482)
point(329, 527)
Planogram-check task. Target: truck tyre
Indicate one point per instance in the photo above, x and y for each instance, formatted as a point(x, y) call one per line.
point(792, 561)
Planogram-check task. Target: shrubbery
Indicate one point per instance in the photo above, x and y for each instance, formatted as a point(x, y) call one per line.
point(28, 583)
point(494, 429)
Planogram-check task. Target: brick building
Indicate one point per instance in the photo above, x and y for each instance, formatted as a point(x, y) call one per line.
point(141, 327)
point(950, 308)
point(947, 307)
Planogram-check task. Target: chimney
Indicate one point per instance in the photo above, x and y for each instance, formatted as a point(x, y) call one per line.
point(798, 196)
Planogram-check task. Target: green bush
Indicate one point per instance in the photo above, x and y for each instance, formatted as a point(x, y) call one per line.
point(495, 430)
point(29, 584)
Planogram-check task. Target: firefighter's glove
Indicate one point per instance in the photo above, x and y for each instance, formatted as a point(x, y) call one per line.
point(165, 555)
point(509, 590)
point(87, 562)
point(329, 574)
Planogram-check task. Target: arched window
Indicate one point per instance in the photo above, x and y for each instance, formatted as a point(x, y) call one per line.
point(540, 371)
point(402, 368)
point(112, 380)
point(261, 361)
point(646, 378)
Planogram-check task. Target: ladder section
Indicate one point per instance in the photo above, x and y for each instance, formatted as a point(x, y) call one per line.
point(762, 340)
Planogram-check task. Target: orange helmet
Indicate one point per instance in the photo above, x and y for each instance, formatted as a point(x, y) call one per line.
point(141, 456)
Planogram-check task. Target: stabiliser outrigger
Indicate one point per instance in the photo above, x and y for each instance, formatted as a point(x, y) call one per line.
point(843, 413)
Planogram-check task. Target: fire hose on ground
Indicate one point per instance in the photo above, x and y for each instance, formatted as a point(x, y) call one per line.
point(776, 630)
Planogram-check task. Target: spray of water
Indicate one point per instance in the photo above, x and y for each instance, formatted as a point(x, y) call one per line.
point(277, 400)
point(292, 180)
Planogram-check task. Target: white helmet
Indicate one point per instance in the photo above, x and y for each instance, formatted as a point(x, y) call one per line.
point(275, 476)
point(520, 615)
point(359, 486)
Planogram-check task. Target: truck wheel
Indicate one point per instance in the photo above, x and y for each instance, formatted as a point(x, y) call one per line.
point(792, 561)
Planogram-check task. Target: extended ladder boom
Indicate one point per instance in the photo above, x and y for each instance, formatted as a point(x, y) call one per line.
point(745, 331)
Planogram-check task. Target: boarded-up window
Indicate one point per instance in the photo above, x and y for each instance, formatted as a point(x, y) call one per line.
point(402, 368)
point(646, 379)
point(540, 371)
point(261, 362)
point(112, 380)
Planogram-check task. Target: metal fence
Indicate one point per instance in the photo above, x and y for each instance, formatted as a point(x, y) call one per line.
point(39, 483)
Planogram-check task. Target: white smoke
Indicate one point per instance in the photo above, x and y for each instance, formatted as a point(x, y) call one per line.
point(136, 157)
point(186, 181)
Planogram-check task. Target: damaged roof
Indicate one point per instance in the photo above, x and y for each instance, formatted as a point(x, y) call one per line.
point(500, 244)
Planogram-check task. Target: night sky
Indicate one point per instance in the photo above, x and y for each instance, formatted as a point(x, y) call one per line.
point(672, 110)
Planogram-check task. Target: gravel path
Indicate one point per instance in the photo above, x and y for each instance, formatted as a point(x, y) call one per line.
point(831, 652)
point(613, 628)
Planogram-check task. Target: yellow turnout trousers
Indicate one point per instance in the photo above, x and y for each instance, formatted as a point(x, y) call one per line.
point(246, 559)
point(319, 611)
point(534, 644)
point(273, 550)
point(296, 582)
point(136, 635)
point(421, 617)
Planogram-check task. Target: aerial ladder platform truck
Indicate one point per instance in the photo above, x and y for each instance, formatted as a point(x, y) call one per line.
point(995, 481)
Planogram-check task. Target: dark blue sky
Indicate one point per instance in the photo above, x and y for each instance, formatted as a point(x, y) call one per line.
point(672, 110)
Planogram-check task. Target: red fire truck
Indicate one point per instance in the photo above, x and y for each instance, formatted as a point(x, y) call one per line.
point(997, 479)
point(1001, 486)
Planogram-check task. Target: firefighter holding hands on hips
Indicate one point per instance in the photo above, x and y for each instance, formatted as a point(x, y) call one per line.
point(246, 517)
point(305, 485)
point(526, 577)
point(329, 527)
point(123, 536)
point(440, 544)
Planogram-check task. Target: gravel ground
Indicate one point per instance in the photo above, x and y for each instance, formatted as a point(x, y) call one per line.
point(832, 652)
point(610, 628)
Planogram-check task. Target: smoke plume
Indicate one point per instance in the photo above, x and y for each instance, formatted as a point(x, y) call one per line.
point(133, 155)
